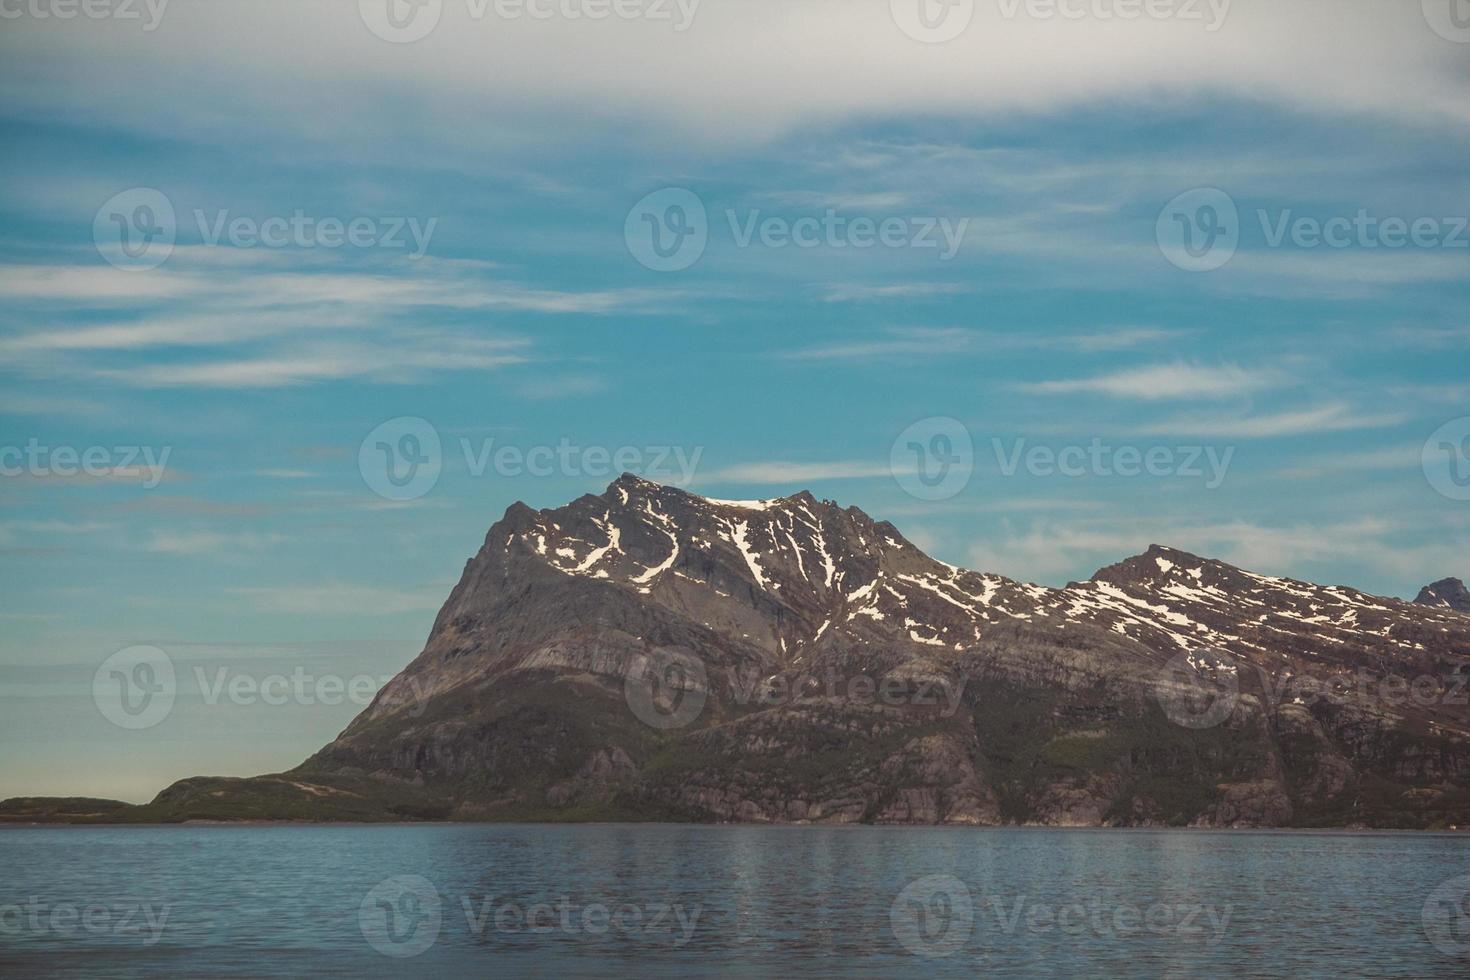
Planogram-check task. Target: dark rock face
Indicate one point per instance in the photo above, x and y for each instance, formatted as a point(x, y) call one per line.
point(647, 653)
point(1447, 593)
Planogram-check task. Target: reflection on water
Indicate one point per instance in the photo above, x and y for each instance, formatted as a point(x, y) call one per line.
point(682, 901)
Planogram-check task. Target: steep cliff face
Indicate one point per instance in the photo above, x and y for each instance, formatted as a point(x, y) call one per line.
point(646, 653)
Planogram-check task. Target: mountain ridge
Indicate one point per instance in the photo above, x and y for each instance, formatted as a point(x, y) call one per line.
point(538, 694)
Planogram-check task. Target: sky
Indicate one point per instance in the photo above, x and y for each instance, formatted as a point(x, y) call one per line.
point(296, 298)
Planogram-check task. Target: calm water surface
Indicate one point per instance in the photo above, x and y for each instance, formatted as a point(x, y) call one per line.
point(679, 901)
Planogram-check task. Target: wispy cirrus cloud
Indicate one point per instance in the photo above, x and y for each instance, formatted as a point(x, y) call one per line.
point(795, 473)
point(217, 543)
point(850, 292)
point(388, 360)
point(920, 341)
point(272, 329)
point(1333, 417)
point(339, 598)
point(1163, 381)
point(895, 342)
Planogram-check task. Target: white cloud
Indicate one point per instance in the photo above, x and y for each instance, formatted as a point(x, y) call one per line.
point(857, 292)
point(1335, 417)
point(794, 474)
point(817, 62)
point(896, 342)
point(1163, 381)
point(210, 542)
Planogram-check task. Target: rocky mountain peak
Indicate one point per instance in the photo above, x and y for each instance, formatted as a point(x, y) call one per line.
point(791, 580)
point(1447, 593)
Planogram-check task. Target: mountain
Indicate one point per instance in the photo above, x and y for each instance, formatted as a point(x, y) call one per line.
point(1447, 593)
point(649, 654)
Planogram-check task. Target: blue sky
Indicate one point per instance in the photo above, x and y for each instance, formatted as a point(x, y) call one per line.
point(1319, 372)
